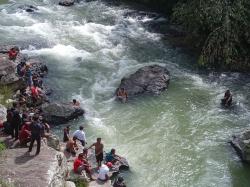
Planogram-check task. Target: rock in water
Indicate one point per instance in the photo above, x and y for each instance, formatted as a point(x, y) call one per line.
point(66, 2)
point(241, 143)
point(28, 8)
point(59, 113)
point(150, 79)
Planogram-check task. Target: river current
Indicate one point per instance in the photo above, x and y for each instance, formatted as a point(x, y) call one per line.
point(179, 138)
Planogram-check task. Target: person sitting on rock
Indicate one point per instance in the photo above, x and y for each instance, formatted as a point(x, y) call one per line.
point(35, 93)
point(81, 164)
point(104, 171)
point(75, 103)
point(66, 133)
point(25, 134)
point(122, 95)
point(71, 146)
point(80, 135)
point(112, 157)
point(13, 52)
point(228, 98)
point(98, 151)
point(119, 182)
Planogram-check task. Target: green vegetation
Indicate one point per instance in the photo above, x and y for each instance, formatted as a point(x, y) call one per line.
point(219, 29)
point(2, 147)
point(81, 184)
point(5, 94)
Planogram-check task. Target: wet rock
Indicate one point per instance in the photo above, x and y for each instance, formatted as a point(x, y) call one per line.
point(59, 113)
point(3, 113)
point(149, 79)
point(241, 143)
point(28, 8)
point(66, 2)
point(49, 168)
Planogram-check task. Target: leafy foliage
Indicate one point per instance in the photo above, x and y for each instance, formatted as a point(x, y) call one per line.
point(5, 94)
point(221, 29)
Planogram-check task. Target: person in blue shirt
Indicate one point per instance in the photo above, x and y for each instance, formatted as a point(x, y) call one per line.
point(112, 157)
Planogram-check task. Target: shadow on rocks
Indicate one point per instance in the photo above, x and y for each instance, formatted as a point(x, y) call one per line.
point(24, 158)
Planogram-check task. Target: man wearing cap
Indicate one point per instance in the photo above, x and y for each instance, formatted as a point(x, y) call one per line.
point(80, 135)
point(104, 170)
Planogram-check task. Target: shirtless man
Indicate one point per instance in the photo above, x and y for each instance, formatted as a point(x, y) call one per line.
point(71, 146)
point(228, 98)
point(98, 151)
point(122, 95)
point(75, 103)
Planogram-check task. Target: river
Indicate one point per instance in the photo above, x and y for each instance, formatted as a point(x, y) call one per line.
point(179, 138)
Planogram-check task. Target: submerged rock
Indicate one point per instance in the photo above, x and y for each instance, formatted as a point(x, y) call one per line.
point(149, 79)
point(66, 2)
point(241, 143)
point(28, 8)
point(59, 113)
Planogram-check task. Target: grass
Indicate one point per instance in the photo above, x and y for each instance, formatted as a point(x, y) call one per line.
point(5, 94)
point(81, 184)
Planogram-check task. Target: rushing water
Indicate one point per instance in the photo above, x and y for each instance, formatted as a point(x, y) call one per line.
point(177, 139)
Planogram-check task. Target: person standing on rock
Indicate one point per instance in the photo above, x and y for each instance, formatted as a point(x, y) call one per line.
point(36, 131)
point(80, 135)
point(98, 151)
point(15, 121)
point(66, 133)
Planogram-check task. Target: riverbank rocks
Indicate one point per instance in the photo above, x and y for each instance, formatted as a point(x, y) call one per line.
point(241, 143)
point(59, 113)
point(149, 79)
point(49, 168)
point(66, 2)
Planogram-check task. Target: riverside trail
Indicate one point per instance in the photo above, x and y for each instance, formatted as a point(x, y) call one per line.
point(176, 139)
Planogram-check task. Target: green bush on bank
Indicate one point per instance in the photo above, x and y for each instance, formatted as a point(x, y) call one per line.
point(221, 30)
point(5, 94)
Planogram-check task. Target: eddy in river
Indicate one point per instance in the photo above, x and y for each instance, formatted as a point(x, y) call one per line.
point(122, 95)
point(228, 98)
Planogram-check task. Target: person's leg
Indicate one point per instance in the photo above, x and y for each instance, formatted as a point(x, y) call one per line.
point(38, 140)
point(16, 129)
point(31, 144)
point(83, 142)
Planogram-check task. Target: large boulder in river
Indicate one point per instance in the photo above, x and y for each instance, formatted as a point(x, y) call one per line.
point(241, 143)
point(59, 113)
point(66, 2)
point(149, 79)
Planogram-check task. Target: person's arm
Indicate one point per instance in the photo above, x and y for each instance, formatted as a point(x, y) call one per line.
point(91, 146)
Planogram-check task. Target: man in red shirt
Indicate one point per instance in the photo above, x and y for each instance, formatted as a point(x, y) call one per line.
point(81, 164)
point(25, 133)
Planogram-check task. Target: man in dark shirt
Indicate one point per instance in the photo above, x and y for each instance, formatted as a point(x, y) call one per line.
point(36, 130)
point(15, 121)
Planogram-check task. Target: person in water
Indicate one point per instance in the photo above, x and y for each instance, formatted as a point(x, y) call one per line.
point(112, 157)
point(122, 95)
point(98, 151)
point(75, 103)
point(228, 98)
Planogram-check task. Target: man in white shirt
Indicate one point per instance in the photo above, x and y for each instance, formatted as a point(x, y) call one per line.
point(104, 170)
point(80, 135)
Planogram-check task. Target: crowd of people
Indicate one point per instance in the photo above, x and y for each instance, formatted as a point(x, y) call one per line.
point(81, 163)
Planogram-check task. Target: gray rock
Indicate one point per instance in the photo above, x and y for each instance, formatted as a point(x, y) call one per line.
point(49, 168)
point(3, 113)
point(66, 2)
point(59, 113)
point(241, 143)
point(53, 142)
point(70, 184)
point(150, 79)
